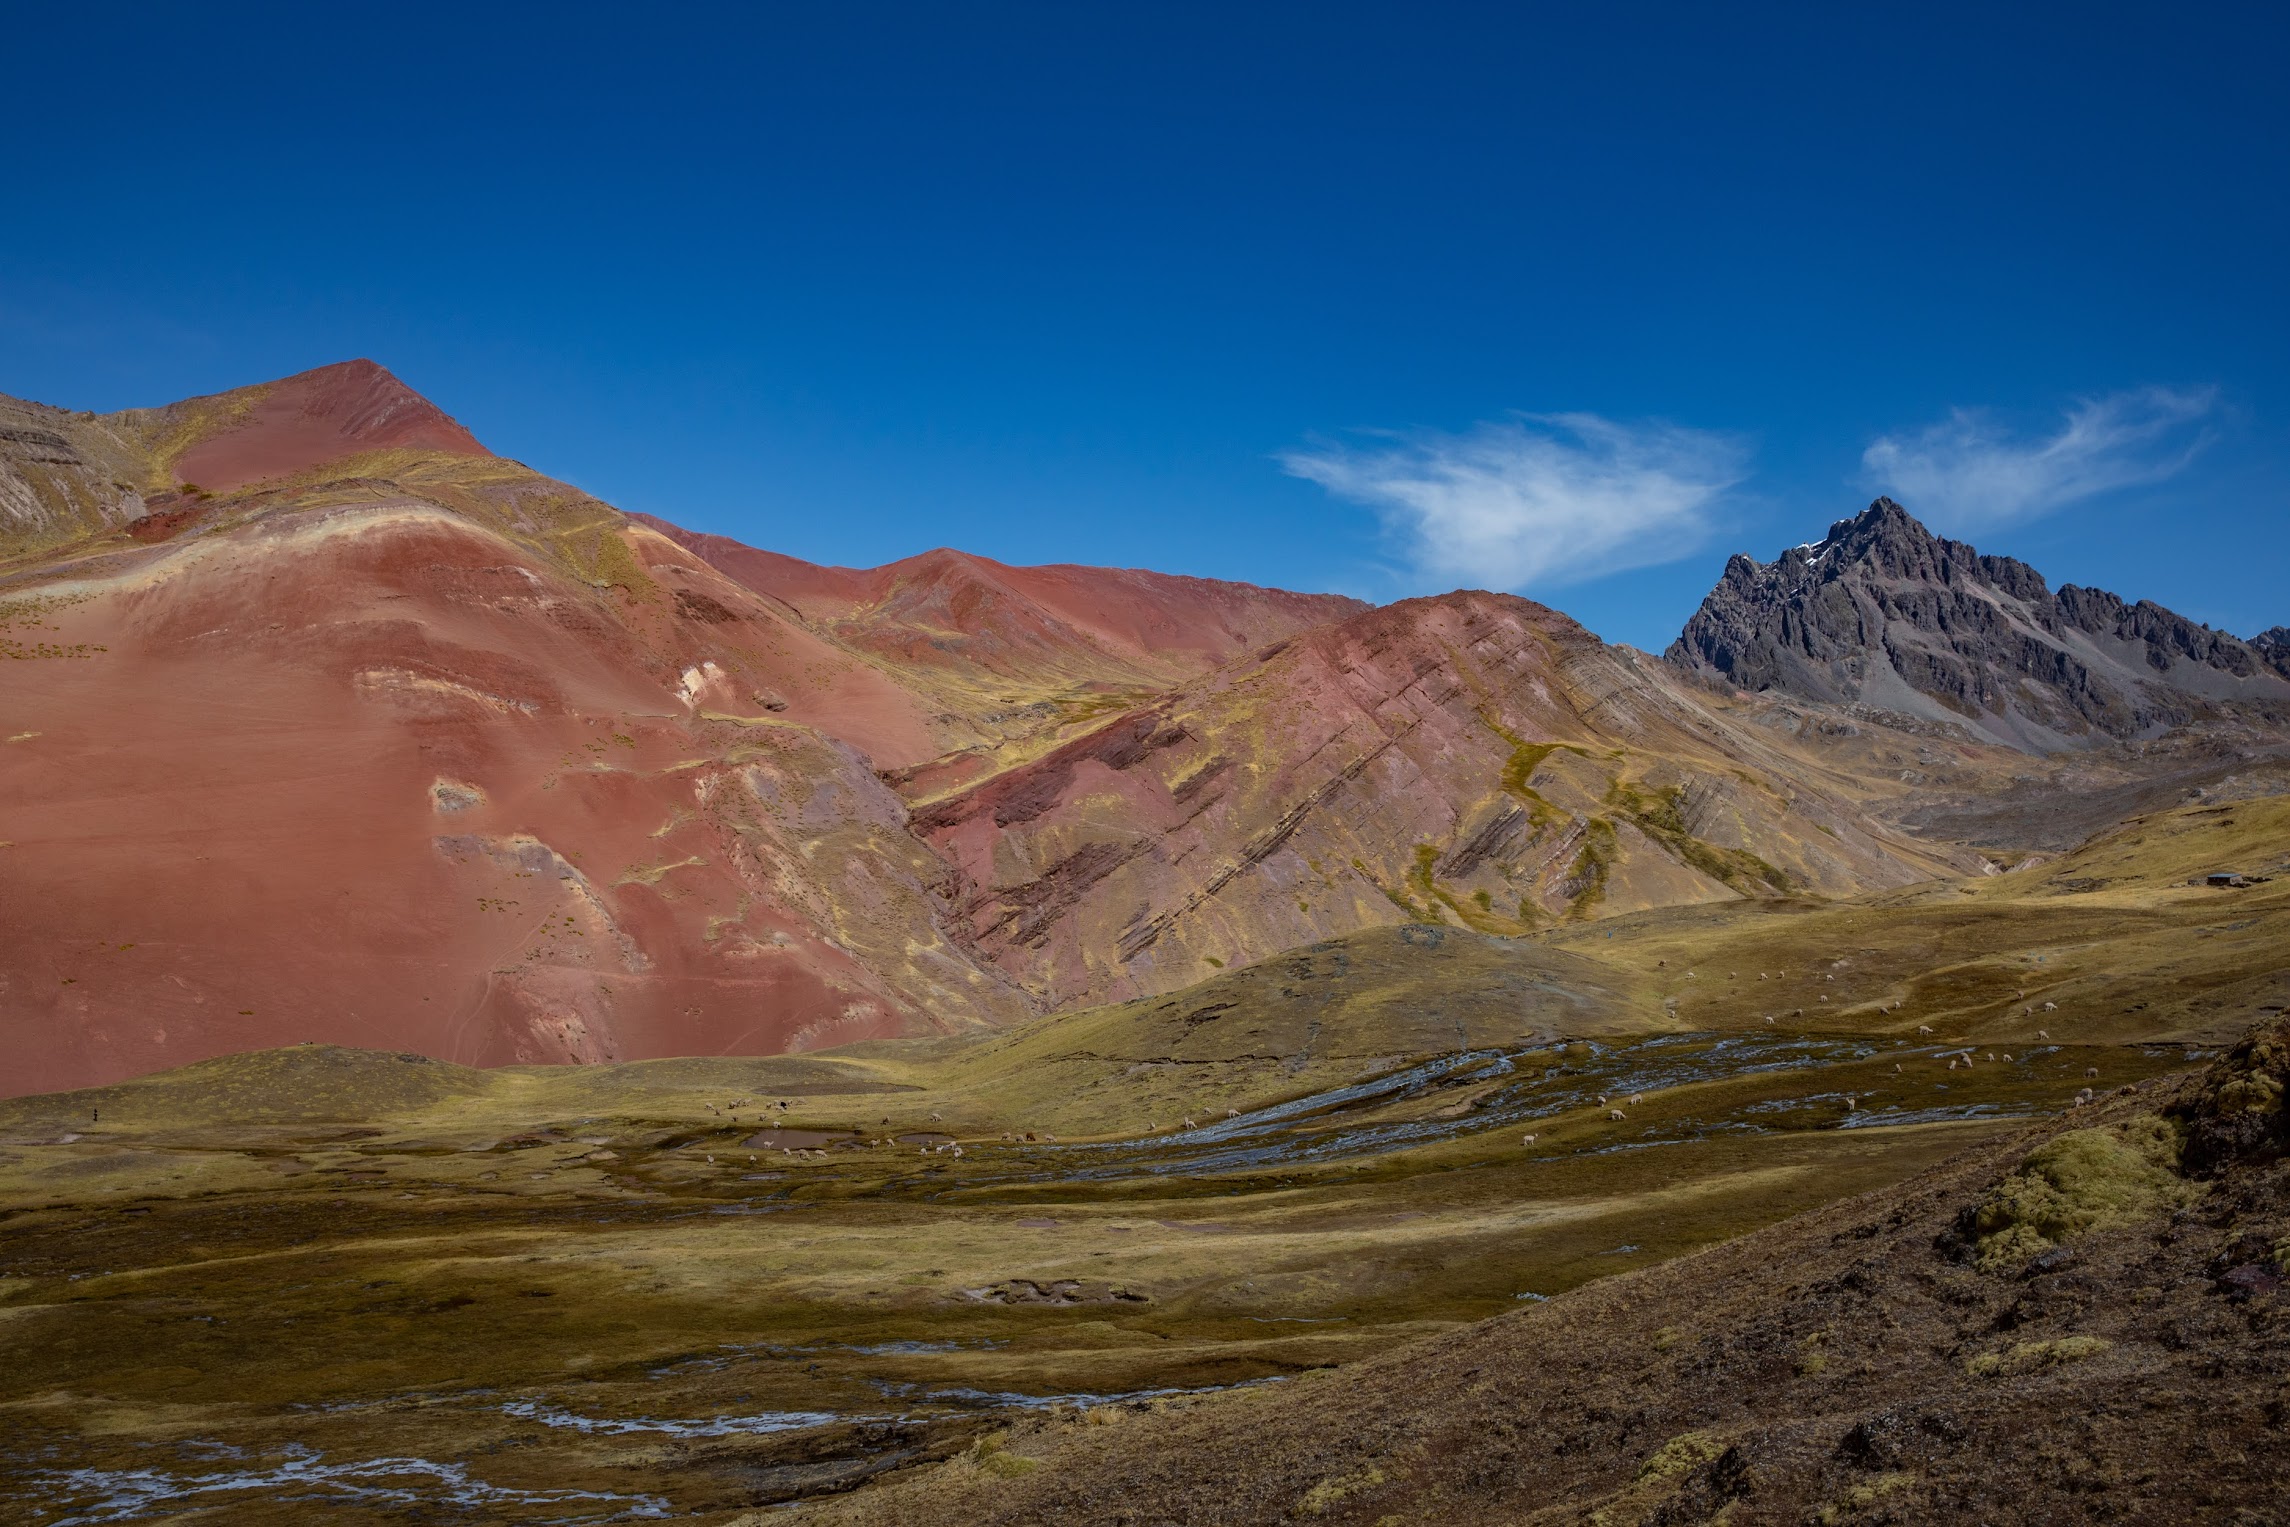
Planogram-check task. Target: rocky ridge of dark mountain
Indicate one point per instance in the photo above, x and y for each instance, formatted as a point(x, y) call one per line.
point(1883, 613)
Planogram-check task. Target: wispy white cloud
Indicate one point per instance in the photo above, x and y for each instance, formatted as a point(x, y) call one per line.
point(1536, 499)
point(1969, 472)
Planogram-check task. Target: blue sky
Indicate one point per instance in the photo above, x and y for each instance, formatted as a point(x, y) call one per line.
point(1575, 300)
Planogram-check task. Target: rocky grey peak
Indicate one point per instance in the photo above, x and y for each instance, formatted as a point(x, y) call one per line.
point(1882, 612)
point(2273, 644)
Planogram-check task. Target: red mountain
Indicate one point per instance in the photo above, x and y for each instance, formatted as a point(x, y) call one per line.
point(379, 738)
point(255, 434)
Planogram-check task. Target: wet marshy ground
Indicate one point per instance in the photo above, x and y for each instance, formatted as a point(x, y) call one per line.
point(631, 1315)
point(1522, 1087)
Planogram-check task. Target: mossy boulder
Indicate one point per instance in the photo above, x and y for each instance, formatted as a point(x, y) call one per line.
point(2033, 1356)
point(2084, 1180)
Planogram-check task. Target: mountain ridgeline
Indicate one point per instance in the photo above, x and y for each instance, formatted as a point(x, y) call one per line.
point(325, 723)
point(1882, 613)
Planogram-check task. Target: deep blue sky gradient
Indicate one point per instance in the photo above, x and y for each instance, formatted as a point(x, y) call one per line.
point(1057, 283)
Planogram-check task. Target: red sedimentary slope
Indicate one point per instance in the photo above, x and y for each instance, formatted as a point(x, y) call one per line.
point(808, 590)
point(374, 773)
point(461, 763)
point(254, 434)
point(438, 754)
point(1474, 759)
point(949, 608)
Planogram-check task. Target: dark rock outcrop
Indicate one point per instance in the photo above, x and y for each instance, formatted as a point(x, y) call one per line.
point(1884, 613)
point(2237, 1111)
point(2274, 646)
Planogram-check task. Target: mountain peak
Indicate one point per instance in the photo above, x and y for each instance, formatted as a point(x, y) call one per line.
point(1883, 523)
point(1893, 543)
point(275, 429)
point(1882, 517)
point(1883, 612)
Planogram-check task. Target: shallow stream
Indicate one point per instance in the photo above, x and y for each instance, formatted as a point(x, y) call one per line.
point(1534, 1085)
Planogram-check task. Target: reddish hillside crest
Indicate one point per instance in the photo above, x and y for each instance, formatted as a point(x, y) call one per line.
point(946, 608)
point(306, 420)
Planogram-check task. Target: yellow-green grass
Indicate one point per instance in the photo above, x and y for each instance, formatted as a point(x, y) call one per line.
point(413, 1246)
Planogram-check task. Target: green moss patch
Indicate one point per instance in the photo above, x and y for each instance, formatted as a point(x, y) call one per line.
point(1585, 883)
point(2033, 1356)
point(1686, 1451)
point(2087, 1179)
point(1659, 813)
point(1330, 1493)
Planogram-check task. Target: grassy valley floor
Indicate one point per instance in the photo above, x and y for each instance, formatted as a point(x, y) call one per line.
point(411, 1291)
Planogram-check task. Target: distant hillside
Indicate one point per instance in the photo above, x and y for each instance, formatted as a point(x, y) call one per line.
point(1474, 759)
point(1882, 613)
point(946, 608)
point(323, 723)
